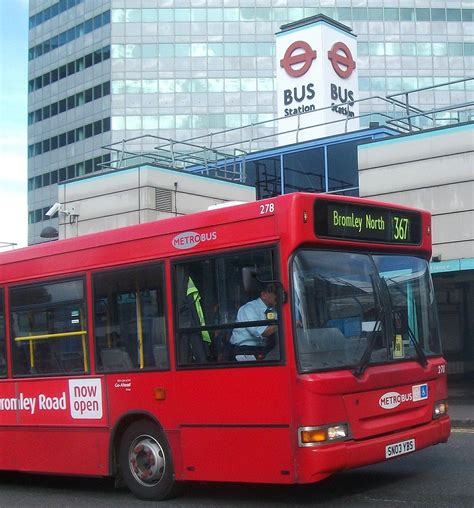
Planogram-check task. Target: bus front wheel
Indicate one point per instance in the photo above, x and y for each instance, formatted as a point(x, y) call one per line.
point(145, 461)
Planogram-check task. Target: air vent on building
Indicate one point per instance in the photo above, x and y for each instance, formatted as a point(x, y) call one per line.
point(164, 200)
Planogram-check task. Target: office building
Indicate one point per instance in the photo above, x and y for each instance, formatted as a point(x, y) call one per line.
point(101, 71)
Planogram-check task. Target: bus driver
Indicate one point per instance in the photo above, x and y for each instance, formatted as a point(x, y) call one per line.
point(257, 340)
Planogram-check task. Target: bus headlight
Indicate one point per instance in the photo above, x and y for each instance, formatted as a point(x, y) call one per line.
point(312, 436)
point(440, 408)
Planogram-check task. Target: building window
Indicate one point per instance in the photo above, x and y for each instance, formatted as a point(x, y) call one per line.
point(422, 14)
point(342, 165)
point(305, 171)
point(69, 36)
point(52, 11)
point(265, 175)
point(70, 137)
point(70, 102)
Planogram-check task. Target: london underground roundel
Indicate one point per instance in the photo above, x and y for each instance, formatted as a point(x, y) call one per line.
point(341, 60)
point(298, 59)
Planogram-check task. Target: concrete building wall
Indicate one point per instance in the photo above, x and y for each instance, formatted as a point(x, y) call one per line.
point(433, 170)
point(140, 194)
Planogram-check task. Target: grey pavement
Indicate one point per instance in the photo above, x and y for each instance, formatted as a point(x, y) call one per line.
point(461, 403)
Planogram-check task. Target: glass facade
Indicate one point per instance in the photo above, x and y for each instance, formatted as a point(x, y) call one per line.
point(184, 69)
point(323, 165)
point(218, 56)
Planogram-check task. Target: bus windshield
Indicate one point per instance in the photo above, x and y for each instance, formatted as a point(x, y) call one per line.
point(354, 309)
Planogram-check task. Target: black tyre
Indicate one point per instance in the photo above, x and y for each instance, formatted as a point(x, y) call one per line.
point(145, 461)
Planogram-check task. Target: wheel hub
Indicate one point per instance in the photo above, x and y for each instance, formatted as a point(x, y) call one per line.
point(147, 460)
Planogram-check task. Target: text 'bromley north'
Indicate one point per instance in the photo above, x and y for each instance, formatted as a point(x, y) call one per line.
point(358, 222)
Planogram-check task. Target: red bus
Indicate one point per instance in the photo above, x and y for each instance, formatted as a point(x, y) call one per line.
point(278, 341)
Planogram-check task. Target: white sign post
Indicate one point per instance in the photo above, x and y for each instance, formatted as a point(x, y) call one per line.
point(317, 80)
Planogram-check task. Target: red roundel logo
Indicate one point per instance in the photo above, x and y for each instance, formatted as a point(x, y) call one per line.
point(341, 59)
point(298, 59)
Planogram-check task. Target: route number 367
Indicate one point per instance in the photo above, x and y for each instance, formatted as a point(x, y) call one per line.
point(400, 228)
point(267, 208)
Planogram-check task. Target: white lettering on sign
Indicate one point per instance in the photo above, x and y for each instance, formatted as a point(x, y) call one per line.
point(124, 383)
point(267, 208)
point(190, 239)
point(48, 403)
point(20, 403)
point(317, 80)
point(86, 399)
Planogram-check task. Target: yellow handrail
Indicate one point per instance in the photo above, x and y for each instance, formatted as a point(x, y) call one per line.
point(32, 338)
point(84, 345)
point(51, 335)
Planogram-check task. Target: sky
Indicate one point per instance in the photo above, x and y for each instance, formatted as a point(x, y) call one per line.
point(13, 121)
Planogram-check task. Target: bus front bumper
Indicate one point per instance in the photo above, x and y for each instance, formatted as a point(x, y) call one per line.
point(318, 462)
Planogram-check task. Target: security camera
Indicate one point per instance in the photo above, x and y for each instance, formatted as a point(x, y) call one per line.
point(53, 210)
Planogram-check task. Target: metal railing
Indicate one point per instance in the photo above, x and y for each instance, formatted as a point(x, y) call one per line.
point(227, 158)
point(413, 112)
point(7, 245)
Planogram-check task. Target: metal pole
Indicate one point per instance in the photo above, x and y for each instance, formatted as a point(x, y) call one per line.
point(407, 109)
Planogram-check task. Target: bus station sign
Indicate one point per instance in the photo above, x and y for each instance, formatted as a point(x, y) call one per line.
point(317, 75)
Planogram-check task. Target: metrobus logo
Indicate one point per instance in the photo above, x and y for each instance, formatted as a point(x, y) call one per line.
point(391, 400)
point(190, 239)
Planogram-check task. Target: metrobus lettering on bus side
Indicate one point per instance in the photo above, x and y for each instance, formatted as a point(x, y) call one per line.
point(190, 239)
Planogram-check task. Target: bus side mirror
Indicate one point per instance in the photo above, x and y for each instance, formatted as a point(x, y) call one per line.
point(249, 278)
point(253, 284)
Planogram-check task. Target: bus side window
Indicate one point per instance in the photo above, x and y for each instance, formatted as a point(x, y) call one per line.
point(129, 320)
point(208, 295)
point(3, 363)
point(49, 329)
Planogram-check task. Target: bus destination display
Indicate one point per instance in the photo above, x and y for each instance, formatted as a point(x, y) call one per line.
point(370, 223)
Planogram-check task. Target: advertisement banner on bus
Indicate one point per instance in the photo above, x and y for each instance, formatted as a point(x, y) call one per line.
point(54, 402)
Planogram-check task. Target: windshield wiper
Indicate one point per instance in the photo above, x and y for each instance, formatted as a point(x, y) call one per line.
point(384, 318)
point(419, 350)
point(364, 361)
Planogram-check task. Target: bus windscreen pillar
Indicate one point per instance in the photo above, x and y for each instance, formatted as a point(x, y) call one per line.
point(317, 83)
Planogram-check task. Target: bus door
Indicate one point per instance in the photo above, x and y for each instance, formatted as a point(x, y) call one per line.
point(234, 413)
point(131, 341)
